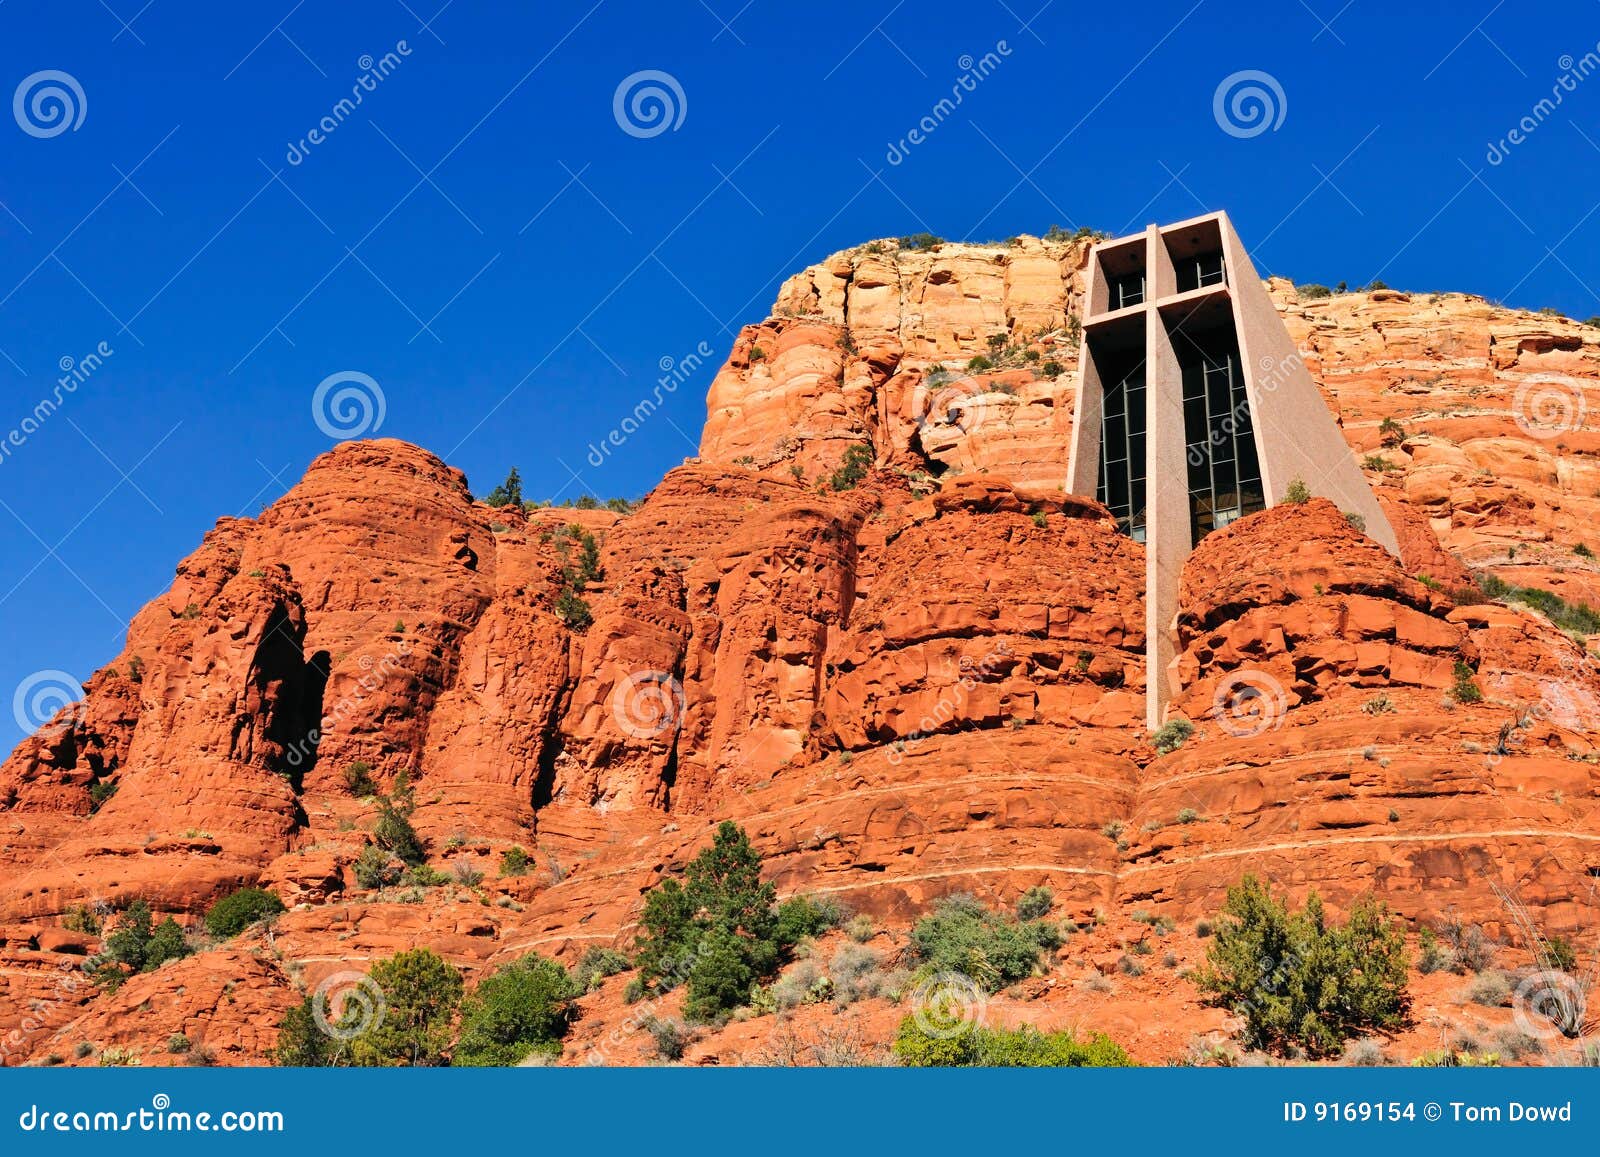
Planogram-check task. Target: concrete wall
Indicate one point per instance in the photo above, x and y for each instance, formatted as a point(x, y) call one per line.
point(1296, 434)
point(1166, 542)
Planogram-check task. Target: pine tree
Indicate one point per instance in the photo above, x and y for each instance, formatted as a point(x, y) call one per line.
point(508, 493)
point(421, 992)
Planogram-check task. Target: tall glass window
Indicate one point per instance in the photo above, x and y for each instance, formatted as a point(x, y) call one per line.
point(1224, 470)
point(1122, 435)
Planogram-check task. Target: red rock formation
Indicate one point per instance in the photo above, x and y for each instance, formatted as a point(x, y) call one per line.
point(926, 681)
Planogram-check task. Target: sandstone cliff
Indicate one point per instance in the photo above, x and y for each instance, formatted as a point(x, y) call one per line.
point(927, 681)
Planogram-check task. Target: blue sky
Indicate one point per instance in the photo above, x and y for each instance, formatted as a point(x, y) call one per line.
point(487, 242)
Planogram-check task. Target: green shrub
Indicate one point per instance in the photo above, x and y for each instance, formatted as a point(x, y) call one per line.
point(424, 876)
point(1574, 618)
point(802, 916)
point(572, 610)
point(358, 779)
point(140, 944)
point(1040, 519)
point(1052, 369)
point(589, 568)
point(1465, 689)
point(857, 461)
point(376, 868)
point(1024, 1047)
point(515, 862)
point(1392, 432)
point(596, 965)
point(238, 910)
point(995, 950)
point(302, 1043)
point(921, 241)
point(1298, 980)
point(1171, 735)
point(393, 832)
point(421, 992)
point(520, 1009)
point(671, 1037)
point(83, 918)
point(1297, 493)
point(1035, 903)
point(1311, 290)
point(177, 1044)
point(1558, 953)
point(979, 364)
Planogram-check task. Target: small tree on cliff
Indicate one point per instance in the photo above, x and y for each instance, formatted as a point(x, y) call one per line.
point(140, 944)
point(421, 993)
point(508, 493)
point(394, 832)
point(718, 931)
point(1298, 979)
